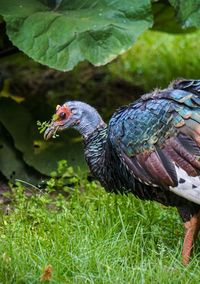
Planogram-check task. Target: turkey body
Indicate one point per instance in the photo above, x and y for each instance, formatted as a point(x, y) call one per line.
point(150, 148)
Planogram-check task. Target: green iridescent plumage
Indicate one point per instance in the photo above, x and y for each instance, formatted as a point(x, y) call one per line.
point(136, 132)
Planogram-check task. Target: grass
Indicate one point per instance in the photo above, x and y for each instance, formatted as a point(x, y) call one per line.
point(157, 58)
point(91, 237)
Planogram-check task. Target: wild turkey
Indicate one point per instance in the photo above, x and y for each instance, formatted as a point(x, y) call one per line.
point(150, 148)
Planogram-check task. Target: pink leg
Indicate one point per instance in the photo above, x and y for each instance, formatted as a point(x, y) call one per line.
point(191, 231)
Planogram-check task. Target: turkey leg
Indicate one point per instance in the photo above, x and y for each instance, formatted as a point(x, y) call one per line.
point(191, 231)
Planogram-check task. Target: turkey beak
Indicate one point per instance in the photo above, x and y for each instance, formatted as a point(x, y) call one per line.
point(56, 126)
point(50, 131)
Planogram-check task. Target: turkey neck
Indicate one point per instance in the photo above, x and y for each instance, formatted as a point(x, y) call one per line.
point(94, 132)
point(95, 149)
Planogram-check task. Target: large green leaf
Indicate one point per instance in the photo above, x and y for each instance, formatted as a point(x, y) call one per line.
point(188, 12)
point(75, 30)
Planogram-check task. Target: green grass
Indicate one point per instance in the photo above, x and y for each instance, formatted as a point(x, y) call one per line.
point(157, 58)
point(92, 237)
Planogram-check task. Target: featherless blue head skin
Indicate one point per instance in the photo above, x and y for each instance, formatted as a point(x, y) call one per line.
point(77, 115)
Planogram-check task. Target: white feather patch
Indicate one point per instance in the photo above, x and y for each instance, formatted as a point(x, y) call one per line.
point(188, 187)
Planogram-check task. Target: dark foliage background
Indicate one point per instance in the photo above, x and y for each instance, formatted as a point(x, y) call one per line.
point(30, 91)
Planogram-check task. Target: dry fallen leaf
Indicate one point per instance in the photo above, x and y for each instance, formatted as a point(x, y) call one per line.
point(47, 273)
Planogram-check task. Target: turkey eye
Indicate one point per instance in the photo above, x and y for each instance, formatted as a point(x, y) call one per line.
point(62, 115)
